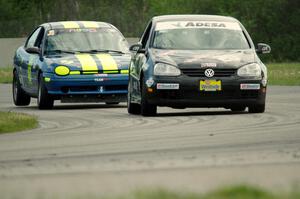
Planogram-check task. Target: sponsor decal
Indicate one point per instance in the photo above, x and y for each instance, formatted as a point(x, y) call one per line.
point(208, 65)
point(101, 89)
point(210, 85)
point(98, 79)
point(150, 82)
point(167, 86)
point(205, 24)
point(249, 86)
point(101, 75)
point(51, 33)
point(82, 30)
point(197, 24)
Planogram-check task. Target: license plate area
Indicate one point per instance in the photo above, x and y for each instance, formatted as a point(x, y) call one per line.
point(210, 85)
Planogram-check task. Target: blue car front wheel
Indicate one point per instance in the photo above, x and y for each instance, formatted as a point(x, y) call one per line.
point(44, 100)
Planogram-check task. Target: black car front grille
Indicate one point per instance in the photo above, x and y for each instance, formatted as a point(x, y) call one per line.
point(200, 72)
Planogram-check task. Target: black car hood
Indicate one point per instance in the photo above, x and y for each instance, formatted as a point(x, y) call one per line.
point(197, 58)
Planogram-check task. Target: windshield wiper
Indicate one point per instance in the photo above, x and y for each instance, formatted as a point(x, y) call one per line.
point(103, 51)
point(60, 51)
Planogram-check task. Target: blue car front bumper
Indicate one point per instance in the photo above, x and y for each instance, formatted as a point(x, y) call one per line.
point(94, 87)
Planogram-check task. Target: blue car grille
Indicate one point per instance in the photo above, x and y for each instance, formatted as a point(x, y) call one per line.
point(66, 89)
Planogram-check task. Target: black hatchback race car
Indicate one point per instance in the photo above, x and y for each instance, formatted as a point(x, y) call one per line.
point(196, 61)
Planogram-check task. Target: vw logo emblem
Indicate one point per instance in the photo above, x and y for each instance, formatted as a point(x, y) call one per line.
point(209, 72)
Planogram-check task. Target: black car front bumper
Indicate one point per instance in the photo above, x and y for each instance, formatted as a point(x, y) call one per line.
point(189, 94)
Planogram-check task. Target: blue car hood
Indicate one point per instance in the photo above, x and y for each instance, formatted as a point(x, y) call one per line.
point(86, 62)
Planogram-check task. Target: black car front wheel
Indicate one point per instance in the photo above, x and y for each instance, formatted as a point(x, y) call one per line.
point(44, 100)
point(132, 108)
point(146, 108)
point(19, 96)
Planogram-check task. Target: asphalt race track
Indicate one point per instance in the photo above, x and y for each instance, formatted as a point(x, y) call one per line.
point(98, 148)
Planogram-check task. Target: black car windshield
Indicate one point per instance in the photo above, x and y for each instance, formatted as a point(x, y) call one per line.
point(199, 36)
point(85, 40)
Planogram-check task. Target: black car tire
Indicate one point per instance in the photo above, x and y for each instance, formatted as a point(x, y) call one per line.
point(19, 96)
point(238, 108)
point(132, 108)
point(44, 100)
point(146, 108)
point(258, 108)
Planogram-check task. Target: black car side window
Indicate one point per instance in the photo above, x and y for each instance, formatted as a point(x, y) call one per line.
point(33, 38)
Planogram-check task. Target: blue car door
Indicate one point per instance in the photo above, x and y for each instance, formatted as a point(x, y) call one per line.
point(31, 60)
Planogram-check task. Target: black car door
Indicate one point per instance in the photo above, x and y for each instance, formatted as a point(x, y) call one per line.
point(140, 58)
point(31, 59)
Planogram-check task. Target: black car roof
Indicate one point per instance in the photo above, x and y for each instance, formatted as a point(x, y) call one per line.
point(193, 18)
point(74, 24)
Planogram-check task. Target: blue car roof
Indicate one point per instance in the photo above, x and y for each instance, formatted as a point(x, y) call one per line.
point(76, 24)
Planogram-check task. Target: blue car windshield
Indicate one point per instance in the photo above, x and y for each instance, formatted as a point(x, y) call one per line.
point(199, 36)
point(85, 40)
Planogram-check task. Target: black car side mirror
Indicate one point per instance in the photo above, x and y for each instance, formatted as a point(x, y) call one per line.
point(137, 48)
point(263, 48)
point(33, 50)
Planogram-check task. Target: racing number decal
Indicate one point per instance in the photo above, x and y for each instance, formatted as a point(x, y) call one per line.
point(108, 62)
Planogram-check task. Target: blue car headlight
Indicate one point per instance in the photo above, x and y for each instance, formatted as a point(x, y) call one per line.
point(62, 70)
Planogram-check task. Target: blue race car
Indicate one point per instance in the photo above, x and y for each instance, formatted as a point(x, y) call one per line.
point(72, 61)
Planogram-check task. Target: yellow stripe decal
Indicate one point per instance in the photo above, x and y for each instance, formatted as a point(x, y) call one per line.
point(90, 72)
point(87, 62)
point(90, 24)
point(124, 71)
point(70, 24)
point(111, 71)
point(30, 65)
point(74, 72)
point(108, 62)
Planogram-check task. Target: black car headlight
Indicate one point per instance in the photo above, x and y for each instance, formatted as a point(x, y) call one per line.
point(161, 69)
point(250, 70)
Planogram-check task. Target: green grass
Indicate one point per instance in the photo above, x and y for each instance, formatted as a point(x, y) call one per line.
point(278, 74)
point(11, 122)
point(235, 192)
point(284, 74)
point(6, 75)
